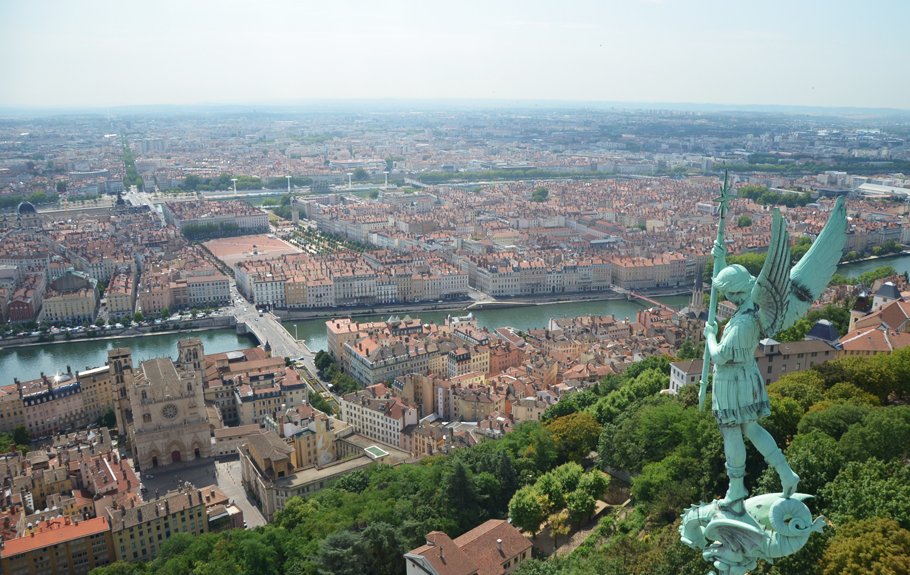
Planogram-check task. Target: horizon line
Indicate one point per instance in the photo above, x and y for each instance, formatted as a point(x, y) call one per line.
point(341, 103)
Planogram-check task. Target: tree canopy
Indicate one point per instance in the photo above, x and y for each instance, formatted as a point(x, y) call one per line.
point(844, 425)
point(540, 195)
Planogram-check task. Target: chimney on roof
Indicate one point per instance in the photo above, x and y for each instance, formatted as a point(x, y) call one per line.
point(499, 544)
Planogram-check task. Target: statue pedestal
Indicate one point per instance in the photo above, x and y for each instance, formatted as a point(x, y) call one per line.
point(768, 527)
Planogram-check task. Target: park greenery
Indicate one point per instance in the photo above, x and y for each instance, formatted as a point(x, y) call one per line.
point(508, 175)
point(865, 278)
point(320, 242)
point(540, 195)
point(19, 439)
point(36, 198)
point(342, 384)
point(281, 183)
point(109, 419)
point(843, 424)
point(197, 232)
point(223, 182)
point(280, 207)
point(762, 196)
point(744, 221)
point(858, 166)
point(836, 314)
point(131, 177)
point(888, 247)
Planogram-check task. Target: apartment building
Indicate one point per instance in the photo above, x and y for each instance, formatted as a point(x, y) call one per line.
point(139, 529)
point(215, 213)
point(208, 290)
point(374, 360)
point(773, 359)
point(50, 405)
point(121, 295)
point(475, 403)
point(12, 413)
point(260, 394)
point(61, 546)
point(267, 467)
point(269, 290)
point(97, 393)
point(154, 292)
point(528, 409)
point(225, 372)
point(72, 297)
point(343, 330)
point(375, 413)
point(26, 301)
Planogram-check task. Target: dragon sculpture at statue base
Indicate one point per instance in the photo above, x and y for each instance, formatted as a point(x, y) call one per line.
point(769, 527)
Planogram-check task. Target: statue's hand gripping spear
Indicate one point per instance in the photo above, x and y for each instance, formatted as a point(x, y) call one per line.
point(723, 200)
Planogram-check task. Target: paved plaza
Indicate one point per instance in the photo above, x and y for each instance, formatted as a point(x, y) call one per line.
point(224, 472)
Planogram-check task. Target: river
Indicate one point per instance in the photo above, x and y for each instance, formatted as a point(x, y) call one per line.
point(28, 362)
point(899, 263)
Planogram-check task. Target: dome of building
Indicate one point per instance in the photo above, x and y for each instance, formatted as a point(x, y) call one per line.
point(26, 208)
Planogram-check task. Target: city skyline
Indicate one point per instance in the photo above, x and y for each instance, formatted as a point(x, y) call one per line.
point(97, 54)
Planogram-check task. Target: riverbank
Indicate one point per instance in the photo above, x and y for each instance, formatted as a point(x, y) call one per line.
point(874, 258)
point(211, 324)
point(463, 306)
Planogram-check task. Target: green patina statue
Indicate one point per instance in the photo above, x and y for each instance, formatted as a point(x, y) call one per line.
point(735, 531)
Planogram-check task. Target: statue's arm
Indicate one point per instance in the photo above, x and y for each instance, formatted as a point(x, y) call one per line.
point(719, 351)
point(719, 253)
point(713, 349)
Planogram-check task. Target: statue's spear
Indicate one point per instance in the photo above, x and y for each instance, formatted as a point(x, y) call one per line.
point(723, 200)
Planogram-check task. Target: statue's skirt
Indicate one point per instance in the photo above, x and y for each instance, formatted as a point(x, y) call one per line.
point(738, 394)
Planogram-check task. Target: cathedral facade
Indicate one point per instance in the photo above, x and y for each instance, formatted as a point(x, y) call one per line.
point(164, 411)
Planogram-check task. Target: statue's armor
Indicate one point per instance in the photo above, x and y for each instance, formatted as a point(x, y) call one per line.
point(739, 393)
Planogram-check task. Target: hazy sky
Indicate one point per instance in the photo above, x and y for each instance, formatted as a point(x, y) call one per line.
point(793, 52)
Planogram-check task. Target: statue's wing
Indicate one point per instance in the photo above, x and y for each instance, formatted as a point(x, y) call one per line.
point(772, 288)
point(812, 273)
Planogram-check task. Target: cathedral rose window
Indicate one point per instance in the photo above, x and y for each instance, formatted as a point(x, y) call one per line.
point(169, 411)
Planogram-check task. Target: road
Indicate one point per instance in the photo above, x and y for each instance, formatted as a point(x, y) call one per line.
point(268, 328)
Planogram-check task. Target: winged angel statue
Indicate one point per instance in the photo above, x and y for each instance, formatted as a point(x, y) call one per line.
point(778, 524)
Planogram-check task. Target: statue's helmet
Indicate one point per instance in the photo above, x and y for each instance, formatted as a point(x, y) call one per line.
point(733, 279)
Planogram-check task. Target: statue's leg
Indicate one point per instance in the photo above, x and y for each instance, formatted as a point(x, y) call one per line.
point(766, 445)
point(735, 452)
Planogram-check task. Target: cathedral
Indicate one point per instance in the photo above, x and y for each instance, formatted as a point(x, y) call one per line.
point(160, 404)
